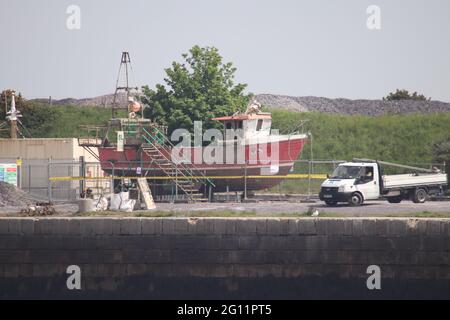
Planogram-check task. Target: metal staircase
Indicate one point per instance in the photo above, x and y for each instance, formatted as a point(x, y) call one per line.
point(187, 178)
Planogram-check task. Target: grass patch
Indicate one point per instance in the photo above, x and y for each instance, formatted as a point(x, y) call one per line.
point(296, 186)
point(339, 137)
point(387, 137)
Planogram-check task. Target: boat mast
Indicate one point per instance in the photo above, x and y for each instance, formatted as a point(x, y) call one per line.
point(13, 116)
point(125, 65)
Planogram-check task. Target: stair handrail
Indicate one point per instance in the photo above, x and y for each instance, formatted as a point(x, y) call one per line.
point(172, 167)
point(168, 160)
point(186, 168)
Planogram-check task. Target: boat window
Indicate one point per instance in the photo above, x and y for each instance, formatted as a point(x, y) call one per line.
point(228, 125)
point(259, 125)
point(239, 125)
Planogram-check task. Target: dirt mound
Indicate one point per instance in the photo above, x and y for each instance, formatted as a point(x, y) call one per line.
point(12, 196)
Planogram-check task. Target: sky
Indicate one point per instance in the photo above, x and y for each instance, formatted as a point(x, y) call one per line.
point(290, 47)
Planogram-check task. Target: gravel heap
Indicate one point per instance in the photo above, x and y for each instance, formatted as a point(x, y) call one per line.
point(12, 196)
point(301, 104)
point(351, 107)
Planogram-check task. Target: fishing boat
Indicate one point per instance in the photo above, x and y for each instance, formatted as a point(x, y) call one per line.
point(246, 154)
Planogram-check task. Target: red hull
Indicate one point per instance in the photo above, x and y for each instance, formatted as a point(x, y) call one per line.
point(125, 163)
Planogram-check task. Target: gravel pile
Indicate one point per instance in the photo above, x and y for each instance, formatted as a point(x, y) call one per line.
point(351, 107)
point(302, 104)
point(12, 196)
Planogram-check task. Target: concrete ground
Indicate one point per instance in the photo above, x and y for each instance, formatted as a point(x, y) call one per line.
point(373, 208)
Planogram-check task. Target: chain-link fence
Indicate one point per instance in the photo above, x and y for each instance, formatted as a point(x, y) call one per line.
point(57, 180)
point(65, 180)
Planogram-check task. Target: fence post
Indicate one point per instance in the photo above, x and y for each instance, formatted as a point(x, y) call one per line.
point(69, 189)
point(245, 180)
point(29, 176)
point(311, 164)
point(112, 180)
point(82, 175)
point(447, 170)
point(19, 172)
point(309, 178)
point(176, 184)
point(49, 183)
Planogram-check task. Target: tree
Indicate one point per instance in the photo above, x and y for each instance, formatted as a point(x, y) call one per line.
point(441, 153)
point(405, 95)
point(441, 150)
point(199, 88)
point(38, 119)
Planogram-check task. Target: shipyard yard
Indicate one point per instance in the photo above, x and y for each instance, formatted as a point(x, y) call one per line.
point(261, 209)
point(251, 169)
point(376, 208)
point(195, 151)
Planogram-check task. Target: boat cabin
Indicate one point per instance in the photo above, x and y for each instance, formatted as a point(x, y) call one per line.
point(252, 125)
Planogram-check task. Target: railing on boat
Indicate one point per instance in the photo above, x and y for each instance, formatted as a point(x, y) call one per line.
point(91, 135)
point(191, 169)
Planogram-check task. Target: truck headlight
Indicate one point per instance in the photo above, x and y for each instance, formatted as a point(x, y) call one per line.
point(341, 189)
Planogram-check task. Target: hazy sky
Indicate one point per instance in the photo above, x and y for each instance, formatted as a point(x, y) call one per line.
point(292, 47)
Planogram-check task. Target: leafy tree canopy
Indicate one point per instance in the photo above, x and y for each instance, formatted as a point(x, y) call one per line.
point(200, 87)
point(404, 95)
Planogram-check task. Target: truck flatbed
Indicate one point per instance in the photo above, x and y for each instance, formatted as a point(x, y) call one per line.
point(413, 180)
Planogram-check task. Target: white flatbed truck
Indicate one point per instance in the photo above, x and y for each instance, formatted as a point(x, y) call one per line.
point(362, 180)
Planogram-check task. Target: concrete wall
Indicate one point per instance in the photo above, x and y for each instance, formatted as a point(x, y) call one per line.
point(64, 154)
point(43, 148)
point(224, 258)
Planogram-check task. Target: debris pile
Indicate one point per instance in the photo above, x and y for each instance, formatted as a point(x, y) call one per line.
point(40, 209)
point(12, 196)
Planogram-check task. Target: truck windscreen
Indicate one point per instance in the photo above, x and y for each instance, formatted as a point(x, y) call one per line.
point(346, 172)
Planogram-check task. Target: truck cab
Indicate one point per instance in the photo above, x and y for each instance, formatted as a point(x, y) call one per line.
point(352, 182)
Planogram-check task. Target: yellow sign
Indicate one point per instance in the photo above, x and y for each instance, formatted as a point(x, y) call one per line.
point(19, 162)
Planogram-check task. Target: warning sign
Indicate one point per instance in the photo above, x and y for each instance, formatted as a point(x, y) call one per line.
point(8, 173)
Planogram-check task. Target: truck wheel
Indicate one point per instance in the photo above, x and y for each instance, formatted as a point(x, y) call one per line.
point(331, 203)
point(394, 199)
point(356, 199)
point(420, 195)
